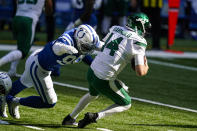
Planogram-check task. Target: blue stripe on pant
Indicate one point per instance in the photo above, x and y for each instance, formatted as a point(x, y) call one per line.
point(36, 101)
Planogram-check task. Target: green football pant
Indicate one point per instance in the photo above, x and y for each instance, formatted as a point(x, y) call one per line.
point(111, 89)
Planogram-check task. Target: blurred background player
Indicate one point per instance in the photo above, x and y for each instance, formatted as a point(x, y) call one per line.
point(84, 13)
point(153, 10)
point(121, 45)
point(24, 23)
point(71, 47)
point(116, 10)
point(50, 23)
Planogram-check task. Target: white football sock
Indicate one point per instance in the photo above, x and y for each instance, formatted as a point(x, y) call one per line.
point(84, 101)
point(112, 109)
point(13, 67)
point(11, 56)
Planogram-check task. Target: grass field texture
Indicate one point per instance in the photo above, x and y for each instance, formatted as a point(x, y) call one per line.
point(162, 84)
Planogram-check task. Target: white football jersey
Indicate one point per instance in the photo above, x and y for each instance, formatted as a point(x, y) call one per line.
point(30, 8)
point(120, 46)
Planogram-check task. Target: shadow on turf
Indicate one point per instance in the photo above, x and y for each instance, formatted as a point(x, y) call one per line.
point(19, 123)
point(166, 125)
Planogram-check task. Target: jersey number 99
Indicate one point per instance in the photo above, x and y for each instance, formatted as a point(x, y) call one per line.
point(67, 60)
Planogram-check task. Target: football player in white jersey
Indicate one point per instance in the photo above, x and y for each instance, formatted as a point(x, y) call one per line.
point(71, 47)
point(121, 45)
point(24, 23)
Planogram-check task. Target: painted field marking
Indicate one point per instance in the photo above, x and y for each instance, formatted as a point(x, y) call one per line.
point(103, 129)
point(172, 65)
point(4, 122)
point(149, 53)
point(134, 98)
point(33, 127)
point(28, 126)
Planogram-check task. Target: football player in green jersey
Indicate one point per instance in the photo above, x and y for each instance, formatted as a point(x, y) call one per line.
point(24, 23)
point(121, 45)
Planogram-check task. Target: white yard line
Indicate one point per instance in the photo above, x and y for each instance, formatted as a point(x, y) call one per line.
point(134, 98)
point(193, 55)
point(4, 122)
point(103, 129)
point(33, 127)
point(28, 126)
point(149, 53)
point(172, 65)
point(164, 54)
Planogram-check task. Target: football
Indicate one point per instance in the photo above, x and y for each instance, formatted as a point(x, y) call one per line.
point(133, 63)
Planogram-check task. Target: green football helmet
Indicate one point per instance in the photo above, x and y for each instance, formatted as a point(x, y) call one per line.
point(138, 22)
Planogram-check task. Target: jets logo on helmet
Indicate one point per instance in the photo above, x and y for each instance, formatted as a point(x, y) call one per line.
point(139, 22)
point(86, 38)
point(5, 83)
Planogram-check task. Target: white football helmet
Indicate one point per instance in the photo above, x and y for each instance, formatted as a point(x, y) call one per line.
point(5, 83)
point(86, 38)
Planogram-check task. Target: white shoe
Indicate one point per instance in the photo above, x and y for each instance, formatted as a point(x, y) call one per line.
point(3, 106)
point(13, 107)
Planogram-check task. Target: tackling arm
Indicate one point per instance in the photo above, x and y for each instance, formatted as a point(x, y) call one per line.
point(60, 48)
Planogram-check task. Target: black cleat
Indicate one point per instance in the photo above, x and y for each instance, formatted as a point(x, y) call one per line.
point(68, 120)
point(88, 119)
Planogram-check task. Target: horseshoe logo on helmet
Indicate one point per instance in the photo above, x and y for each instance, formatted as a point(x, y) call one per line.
point(79, 34)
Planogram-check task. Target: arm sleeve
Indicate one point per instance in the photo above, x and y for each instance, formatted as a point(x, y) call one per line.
point(88, 59)
point(60, 48)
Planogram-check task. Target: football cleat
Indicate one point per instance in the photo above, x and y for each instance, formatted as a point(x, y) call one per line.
point(3, 107)
point(13, 106)
point(88, 119)
point(68, 120)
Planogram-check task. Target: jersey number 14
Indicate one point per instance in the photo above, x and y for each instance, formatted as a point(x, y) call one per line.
point(112, 45)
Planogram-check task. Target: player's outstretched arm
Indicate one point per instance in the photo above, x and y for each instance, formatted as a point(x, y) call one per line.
point(60, 48)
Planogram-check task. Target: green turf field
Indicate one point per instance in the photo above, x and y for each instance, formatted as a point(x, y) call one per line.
point(163, 84)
